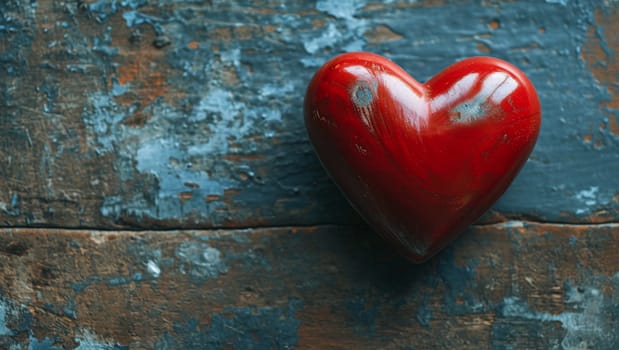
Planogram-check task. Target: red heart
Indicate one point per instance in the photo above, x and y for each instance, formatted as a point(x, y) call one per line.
point(421, 162)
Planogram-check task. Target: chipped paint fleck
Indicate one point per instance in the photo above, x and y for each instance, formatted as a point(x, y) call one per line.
point(588, 197)
point(199, 260)
point(88, 340)
point(591, 197)
point(153, 269)
point(512, 224)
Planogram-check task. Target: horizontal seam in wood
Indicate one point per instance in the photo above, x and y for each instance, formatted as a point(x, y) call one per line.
point(502, 224)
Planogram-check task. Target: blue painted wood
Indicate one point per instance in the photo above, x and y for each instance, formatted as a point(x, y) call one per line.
point(188, 114)
point(183, 114)
point(503, 286)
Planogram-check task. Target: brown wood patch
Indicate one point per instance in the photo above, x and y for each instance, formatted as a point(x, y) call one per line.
point(518, 284)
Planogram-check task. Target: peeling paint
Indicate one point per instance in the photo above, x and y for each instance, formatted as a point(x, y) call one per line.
point(588, 197)
point(589, 321)
point(15, 324)
point(103, 120)
point(200, 261)
point(89, 340)
point(45, 344)
point(169, 157)
point(135, 18)
point(328, 38)
point(230, 118)
point(346, 33)
point(4, 330)
point(342, 9)
point(591, 198)
point(103, 9)
point(102, 45)
point(164, 159)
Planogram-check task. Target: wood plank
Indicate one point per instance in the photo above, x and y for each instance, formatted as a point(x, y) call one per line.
point(185, 114)
point(517, 285)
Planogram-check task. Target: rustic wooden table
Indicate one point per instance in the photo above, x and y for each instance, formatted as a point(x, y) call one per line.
point(158, 190)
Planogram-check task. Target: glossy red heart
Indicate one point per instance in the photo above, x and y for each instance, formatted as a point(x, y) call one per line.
point(421, 162)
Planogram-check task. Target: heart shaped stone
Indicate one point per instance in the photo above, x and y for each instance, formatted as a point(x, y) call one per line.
point(421, 162)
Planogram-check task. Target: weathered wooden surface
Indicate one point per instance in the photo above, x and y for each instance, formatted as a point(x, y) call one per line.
point(188, 113)
point(504, 286)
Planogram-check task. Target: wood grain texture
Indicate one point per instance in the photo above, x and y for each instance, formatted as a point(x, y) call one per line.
point(176, 114)
point(506, 286)
point(186, 116)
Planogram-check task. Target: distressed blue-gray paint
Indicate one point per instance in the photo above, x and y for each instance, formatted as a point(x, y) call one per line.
point(362, 314)
point(15, 323)
point(551, 59)
point(45, 344)
point(88, 340)
point(81, 285)
point(103, 9)
point(197, 258)
point(200, 261)
point(118, 281)
point(240, 112)
point(70, 309)
point(458, 282)
point(4, 330)
point(276, 288)
point(238, 328)
point(590, 322)
point(230, 117)
point(424, 314)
